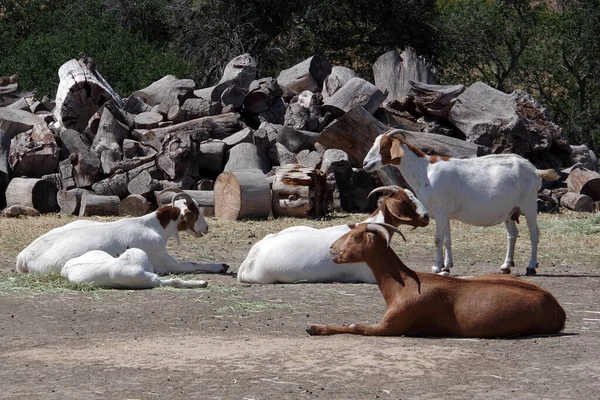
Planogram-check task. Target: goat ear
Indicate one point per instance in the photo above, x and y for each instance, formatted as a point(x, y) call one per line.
point(396, 151)
point(396, 213)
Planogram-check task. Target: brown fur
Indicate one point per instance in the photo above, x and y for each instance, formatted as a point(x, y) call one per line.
point(485, 306)
point(167, 214)
point(391, 151)
point(399, 210)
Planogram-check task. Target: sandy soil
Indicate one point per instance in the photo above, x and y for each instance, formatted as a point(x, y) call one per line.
point(232, 341)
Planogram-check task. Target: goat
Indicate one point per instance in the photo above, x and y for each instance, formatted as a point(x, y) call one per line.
point(150, 233)
point(129, 270)
point(487, 306)
point(301, 253)
point(481, 191)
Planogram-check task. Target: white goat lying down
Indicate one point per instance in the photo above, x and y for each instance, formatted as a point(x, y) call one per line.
point(130, 270)
point(150, 233)
point(481, 191)
point(301, 253)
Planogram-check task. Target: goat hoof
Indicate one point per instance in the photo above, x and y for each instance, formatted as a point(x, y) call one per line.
point(225, 268)
point(505, 271)
point(445, 272)
point(530, 272)
point(312, 330)
point(435, 269)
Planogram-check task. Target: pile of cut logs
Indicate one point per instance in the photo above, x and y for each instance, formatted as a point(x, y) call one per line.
point(254, 146)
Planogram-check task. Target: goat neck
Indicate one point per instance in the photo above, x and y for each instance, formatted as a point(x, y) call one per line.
point(167, 222)
point(413, 166)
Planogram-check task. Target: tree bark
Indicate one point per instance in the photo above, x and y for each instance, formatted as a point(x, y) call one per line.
point(37, 193)
point(92, 204)
point(135, 205)
point(243, 193)
point(87, 168)
point(356, 91)
point(299, 192)
point(70, 200)
point(179, 155)
point(307, 75)
point(577, 202)
point(584, 181)
point(243, 136)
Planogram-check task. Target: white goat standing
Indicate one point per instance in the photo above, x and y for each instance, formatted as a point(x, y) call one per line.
point(301, 253)
point(481, 191)
point(130, 270)
point(150, 233)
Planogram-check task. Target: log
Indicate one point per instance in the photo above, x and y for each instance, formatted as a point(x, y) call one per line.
point(133, 148)
point(243, 136)
point(92, 204)
point(577, 202)
point(71, 142)
point(213, 127)
point(148, 120)
point(241, 194)
point(339, 77)
point(183, 183)
point(66, 173)
point(584, 181)
point(434, 100)
point(234, 97)
point(110, 135)
point(4, 166)
point(135, 205)
point(34, 154)
point(14, 121)
point(299, 192)
point(167, 92)
point(54, 178)
point(135, 104)
point(296, 116)
point(311, 159)
point(111, 163)
point(261, 95)
point(143, 184)
point(204, 198)
point(356, 91)
point(69, 201)
point(280, 155)
point(276, 112)
point(246, 156)
point(296, 140)
point(193, 108)
point(179, 154)
point(87, 168)
point(334, 158)
point(266, 135)
point(307, 75)
point(239, 72)
point(584, 156)
point(81, 92)
point(393, 72)
point(212, 156)
point(354, 187)
point(36, 193)
point(91, 129)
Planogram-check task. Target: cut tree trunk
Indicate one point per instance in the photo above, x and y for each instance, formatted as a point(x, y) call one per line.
point(92, 204)
point(179, 155)
point(35, 154)
point(307, 158)
point(299, 192)
point(577, 202)
point(143, 184)
point(167, 92)
point(356, 91)
point(296, 140)
point(148, 120)
point(212, 155)
point(584, 181)
point(13, 122)
point(307, 75)
point(246, 156)
point(71, 142)
point(243, 136)
point(434, 100)
point(37, 193)
point(135, 104)
point(87, 168)
point(81, 92)
point(110, 135)
point(334, 158)
point(70, 200)
point(4, 166)
point(393, 72)
point(239, 72)
point(354, 187)
point(261, 95)
point(339, 77)
point(135, 205)
point(280, 155)
point(193, 108)
point(240, 194)
point(110, 165)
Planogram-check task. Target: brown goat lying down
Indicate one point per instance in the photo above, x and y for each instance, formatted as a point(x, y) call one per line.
point(428, 304)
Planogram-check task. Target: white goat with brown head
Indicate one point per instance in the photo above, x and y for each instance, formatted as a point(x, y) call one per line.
point(428, 304)
point(150, 233)
point(481, 191)
point(301, 253)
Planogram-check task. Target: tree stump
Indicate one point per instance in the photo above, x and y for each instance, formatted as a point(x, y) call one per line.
point(70, 200)
point(299, 192)
point(356, 91)
point(584, 181)
point(243, 193)
point(135, 205)
point(577, 202)
point(246, 156)
point(37, 193)
point(92, 204)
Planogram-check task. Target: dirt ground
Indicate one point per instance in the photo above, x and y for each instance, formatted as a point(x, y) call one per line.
point(232, 341)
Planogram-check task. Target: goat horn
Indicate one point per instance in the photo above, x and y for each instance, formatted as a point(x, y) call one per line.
point(181, 195)
point(387, 227)
point(167, 190)
point(401, 133)
point(388, 189)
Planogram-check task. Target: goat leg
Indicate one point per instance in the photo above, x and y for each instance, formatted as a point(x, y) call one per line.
point(379, 329)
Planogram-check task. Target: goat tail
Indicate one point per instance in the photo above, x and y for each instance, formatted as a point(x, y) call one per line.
point(246, 266)
point(548, 174)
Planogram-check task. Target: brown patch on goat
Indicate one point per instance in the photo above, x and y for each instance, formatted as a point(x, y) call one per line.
point(390, 150)
point(167, 214)
point(433, 159)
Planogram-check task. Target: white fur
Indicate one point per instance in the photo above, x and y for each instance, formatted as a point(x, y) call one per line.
point(52, 250)
point(301, 254)
point(130, 270)
point(481, 191)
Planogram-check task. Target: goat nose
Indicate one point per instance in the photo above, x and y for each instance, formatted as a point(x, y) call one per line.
point(426, 217)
